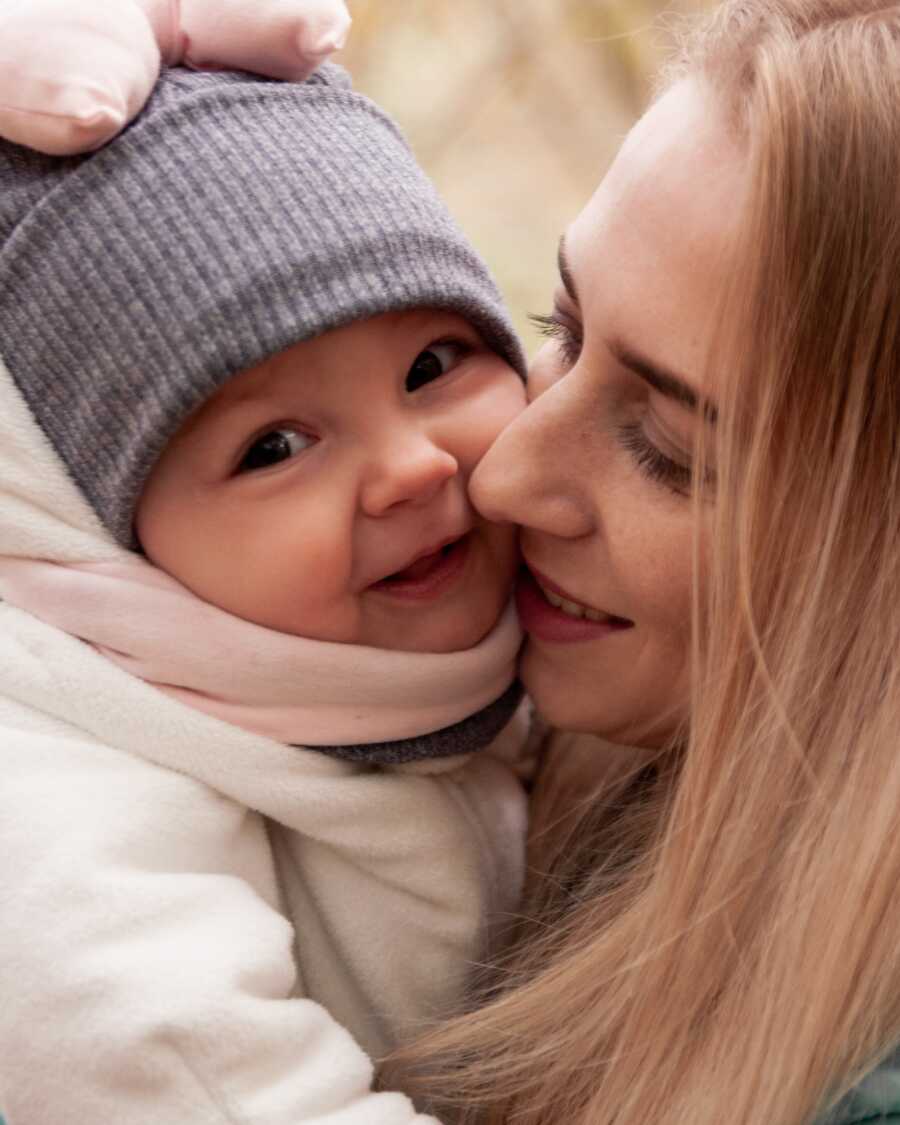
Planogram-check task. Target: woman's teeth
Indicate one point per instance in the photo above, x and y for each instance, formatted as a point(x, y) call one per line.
point(573, 609)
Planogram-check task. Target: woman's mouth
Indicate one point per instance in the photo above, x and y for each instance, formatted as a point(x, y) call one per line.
point(430, 575)
point(549, 614)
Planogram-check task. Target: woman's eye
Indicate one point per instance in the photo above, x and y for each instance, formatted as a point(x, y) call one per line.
point(273, 447)
point(565, 334)
point(652, 462)
point(431, 364)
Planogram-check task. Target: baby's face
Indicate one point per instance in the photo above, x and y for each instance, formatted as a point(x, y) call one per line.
point(324, 492)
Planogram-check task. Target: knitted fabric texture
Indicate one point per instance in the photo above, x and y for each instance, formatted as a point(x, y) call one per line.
point(236, 217)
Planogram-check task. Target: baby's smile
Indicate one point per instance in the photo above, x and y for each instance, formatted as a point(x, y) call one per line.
point(429, 573)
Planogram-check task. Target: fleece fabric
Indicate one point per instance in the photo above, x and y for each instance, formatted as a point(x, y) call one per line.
point(203, 925)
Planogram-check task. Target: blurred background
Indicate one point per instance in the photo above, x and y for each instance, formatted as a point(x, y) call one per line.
point(515, 108)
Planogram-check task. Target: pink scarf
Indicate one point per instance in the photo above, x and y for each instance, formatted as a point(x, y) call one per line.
point(288, 688)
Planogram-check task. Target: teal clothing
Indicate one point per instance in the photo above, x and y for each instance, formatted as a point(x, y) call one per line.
point(875, 1099)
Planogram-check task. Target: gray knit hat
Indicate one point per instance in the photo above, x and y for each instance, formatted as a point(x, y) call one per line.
point(235, 217)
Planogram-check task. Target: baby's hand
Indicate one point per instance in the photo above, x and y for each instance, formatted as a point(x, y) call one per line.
point(75, 72)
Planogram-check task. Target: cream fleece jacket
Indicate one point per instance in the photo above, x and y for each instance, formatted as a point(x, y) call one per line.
point(202, 926)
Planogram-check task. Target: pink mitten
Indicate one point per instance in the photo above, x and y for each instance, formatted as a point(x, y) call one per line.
point(74, 72)
point(278, 38)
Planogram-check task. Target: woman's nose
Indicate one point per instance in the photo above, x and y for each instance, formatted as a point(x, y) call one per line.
point(530, 475)
point(410, 471)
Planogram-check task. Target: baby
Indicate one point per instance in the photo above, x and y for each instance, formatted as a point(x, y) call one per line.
point(258, 717)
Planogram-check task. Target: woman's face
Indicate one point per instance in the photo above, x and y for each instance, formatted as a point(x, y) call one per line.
point(597, 469)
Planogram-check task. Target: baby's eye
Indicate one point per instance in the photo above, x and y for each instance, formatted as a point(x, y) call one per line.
point(272, 447)
point(435, 361)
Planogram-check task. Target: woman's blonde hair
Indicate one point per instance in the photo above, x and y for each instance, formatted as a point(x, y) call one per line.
point(733, 952)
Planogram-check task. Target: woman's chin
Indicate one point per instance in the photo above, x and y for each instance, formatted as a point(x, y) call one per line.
point(585, 701)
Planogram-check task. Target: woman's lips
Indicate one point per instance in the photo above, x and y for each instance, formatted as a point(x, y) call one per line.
point(565, 621)
point(430, 576)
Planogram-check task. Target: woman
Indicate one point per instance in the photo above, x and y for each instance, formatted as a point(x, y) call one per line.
point(708, 481)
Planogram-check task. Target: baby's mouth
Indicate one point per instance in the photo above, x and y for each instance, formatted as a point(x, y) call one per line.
point(429, 573)
point(422, 567)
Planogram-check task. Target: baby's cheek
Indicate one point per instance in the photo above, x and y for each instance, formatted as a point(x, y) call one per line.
point(500, 405)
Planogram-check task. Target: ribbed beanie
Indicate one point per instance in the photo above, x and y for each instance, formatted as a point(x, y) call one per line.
point(235, 217)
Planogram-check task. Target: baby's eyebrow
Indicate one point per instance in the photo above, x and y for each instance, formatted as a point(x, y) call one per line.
point(235, 399)
point(222, 410)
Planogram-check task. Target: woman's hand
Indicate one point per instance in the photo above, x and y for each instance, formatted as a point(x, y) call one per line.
point(73, 73)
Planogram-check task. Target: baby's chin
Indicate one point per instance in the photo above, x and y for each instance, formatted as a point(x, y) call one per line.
point(451, 624)
point(454, 629)
point(458, 634)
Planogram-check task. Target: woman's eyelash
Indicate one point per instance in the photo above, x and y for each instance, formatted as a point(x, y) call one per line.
point(652, 462)
point(565, 335)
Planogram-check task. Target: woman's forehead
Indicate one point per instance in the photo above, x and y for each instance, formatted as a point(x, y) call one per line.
point(652, 251)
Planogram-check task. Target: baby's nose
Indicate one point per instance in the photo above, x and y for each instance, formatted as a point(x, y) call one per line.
point(411, 472)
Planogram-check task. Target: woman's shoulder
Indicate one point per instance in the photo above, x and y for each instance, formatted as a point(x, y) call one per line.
point(875, 1099)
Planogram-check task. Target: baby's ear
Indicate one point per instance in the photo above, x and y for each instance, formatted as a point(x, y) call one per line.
point(73, 73)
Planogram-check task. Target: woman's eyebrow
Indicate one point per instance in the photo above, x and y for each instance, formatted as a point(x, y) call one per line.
point(666, 382)
point(673, 386)
point(565, 270)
